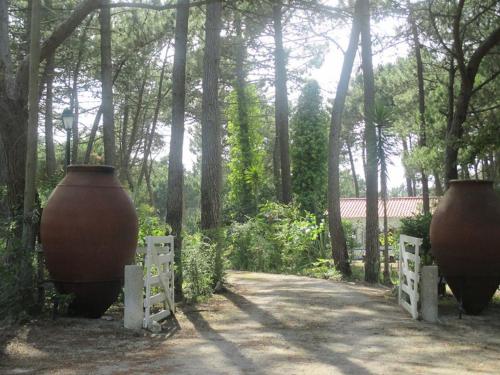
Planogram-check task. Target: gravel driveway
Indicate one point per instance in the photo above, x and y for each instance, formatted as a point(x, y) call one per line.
point(266, 324)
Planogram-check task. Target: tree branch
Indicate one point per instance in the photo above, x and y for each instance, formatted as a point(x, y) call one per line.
point(457, 40)
point(491, 41)
point(66, 28)
point(436, 30)
point(155, 7)
point(484, 83)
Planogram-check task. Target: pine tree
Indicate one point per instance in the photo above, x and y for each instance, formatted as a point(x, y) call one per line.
point(310, 150)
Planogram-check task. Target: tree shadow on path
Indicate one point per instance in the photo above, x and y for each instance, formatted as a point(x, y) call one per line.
point(314, 348)
point(228, 348)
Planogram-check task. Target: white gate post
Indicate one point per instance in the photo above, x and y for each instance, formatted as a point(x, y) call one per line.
point(429, 292)
point(133, 293)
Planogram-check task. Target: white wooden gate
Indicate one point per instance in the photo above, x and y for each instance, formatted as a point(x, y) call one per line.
point(409, 273)
point(159, 281)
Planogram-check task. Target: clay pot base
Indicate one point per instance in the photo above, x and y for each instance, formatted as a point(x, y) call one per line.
point(91, 300)
point(475, 292)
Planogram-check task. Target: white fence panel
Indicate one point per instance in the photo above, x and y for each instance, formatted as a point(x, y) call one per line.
point(409, 273)
point(159, 281)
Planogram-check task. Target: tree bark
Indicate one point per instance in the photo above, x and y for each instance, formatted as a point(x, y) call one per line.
point(75, 103)
point(337, 235)
point(409, 187)
point(175, 187)
point(277, 169)
point(383, 193)
point(24, 256)
point(211, 147)
point(108, 124)
point(281, 105)
point(353, 171)
point(421, 110)
point(92, 135)
point(437, 183)
point(372, 259)
point(132, 139)
point(7, 83)
point(50, 154)
point(149, 137)
point(247, 201)
point(97, 119)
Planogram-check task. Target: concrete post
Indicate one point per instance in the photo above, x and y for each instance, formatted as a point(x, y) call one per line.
point(429, 293)
point(133, 293)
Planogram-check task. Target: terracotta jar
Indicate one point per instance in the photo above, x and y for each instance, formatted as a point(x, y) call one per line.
point(89, 233)
point(465, 240)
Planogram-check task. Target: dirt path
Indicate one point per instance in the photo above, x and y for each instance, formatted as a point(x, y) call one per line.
point(266, 324)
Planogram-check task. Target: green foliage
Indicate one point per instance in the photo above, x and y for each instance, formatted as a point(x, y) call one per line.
point(350, 234)
point(246, 154)
point(280, 238)
point(419, 226)
point(198, 263)
point(150, 224)
point(323, 269)
point(392, 239)
point(309, 150)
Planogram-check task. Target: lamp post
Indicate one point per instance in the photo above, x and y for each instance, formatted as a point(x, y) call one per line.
point(67, 119)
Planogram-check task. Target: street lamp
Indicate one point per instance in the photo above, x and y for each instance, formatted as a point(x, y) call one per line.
point(67, 119)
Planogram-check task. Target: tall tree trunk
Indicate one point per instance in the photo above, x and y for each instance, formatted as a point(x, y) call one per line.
point(123, 128)
point(26, 252)
point(108, 123)
point(175, 187)
point(438, 185)
point(383, 193)
point(75, 103)
point(13, 125)
point(211, 147)
point(149, 187)
point(97, 119)
point(353, 171)
point(409, 187)
point(50, 154)
point(93, 132)
point(149, 137)
point(421, 110)
point(277, 169)
point(451, 106)
point(363, 154)
point(372, 259)
point(281, 105)
point(132, 139)
point(247, 201)
point(337, 235)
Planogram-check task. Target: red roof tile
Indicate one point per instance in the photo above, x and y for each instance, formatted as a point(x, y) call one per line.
point(352, 208)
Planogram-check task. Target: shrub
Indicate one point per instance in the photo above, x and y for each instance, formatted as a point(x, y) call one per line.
point(350, 237)
point(198, 262)
point(323, 269)
point(150, 224)
point(280, 238)
point(419, 226)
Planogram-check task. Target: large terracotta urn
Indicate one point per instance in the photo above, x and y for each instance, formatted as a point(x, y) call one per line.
point(89, 233)
point(465, 240)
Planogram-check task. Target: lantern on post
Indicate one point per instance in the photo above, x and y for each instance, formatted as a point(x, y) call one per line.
point(67, 119)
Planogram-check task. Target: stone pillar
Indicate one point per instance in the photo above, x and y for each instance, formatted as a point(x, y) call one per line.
point(133, 295)
point(429, 293)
